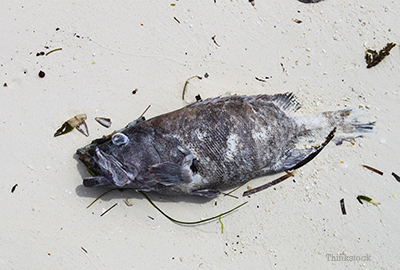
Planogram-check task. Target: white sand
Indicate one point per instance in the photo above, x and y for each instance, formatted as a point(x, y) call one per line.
point(123, 46)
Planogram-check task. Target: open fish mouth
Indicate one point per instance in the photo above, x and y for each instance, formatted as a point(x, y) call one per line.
point(112, 172)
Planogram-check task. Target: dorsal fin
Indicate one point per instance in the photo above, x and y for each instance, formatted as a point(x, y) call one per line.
point(287, 102)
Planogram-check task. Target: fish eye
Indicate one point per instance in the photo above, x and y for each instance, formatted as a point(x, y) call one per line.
point(119, 139)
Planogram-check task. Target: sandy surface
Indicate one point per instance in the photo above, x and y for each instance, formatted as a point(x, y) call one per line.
point(112, 48)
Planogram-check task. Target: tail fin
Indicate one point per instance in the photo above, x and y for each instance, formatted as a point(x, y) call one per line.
point(345, 121)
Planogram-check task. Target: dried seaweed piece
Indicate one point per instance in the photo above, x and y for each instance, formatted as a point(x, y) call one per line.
point(261, 80)
point(58, 49)
point(310, 1)
point(165, 215)
point(186, 83)
point(105, 212)
point(361, 198)
point(396, 177)
point(267, 185)
point(372, 169)
point(105, 122)
point(296, 20)
point(343, 207)
point(373, 58)
point(213, 38)
point(77, 122)
point(13, 188)
point(313, 155)
point(222, 224)
point(190, 222)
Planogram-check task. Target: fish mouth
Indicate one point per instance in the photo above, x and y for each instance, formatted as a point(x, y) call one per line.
point(106, 170)
point(98, 181)
point(87, 155)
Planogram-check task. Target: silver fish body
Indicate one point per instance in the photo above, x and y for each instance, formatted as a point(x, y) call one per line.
point(211, 145)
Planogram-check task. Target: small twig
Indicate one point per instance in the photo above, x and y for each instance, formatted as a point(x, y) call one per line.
point(109, 209)
point(13, 188)
point(177, 20)
point(222, 224)
point(313, 155)
point(213, 38)
point(84, 249)
point(148, 107)
point(372, 169)
point(261, 80)
point(396, 176)
point(267, 185)
point(343, 207)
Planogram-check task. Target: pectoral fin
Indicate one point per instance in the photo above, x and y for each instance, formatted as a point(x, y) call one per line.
point(169, 174)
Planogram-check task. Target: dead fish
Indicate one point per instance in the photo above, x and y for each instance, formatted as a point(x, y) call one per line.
point(211, 145)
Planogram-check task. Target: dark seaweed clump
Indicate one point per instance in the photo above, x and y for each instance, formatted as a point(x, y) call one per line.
point(373, 58)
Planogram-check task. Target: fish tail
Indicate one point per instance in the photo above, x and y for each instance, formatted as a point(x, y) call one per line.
point(345, 121)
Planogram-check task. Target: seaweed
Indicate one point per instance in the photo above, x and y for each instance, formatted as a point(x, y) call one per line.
point(372, 169)
point(372, 57)
point(105, 212)
point(186, 83)
point(168, 217)
point(343, 207)
point(267, 185)
point(313, 155)
point(396, 176)
point(215, 42)
point(58, 49)
point(361, 198)
point(13, 188)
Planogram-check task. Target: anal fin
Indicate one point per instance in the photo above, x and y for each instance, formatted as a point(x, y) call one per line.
point(209, 193)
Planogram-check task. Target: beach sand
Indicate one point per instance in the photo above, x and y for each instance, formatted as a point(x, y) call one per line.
point(109, 49)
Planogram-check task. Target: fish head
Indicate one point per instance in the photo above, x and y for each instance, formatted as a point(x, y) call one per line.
point(113, 162)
